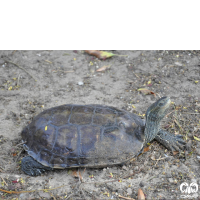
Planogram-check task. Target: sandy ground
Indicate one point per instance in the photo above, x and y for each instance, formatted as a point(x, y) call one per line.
point(65, 77)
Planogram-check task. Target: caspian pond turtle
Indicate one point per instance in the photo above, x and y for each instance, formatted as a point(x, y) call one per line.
point(92, 136)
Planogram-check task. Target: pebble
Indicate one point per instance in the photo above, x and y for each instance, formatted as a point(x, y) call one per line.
point(27, 116)
point(170, 180)
point(198, 151)
point(129, 191)
point(142, 184)
point(189, 145)
point(136, 168)
point(80, 83)
point(198, 158)
point(178, 64)
point(124, 168)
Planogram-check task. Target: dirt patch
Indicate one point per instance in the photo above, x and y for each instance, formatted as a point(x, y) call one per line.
point(65, 77)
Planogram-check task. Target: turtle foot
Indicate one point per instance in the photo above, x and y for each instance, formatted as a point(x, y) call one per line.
point(170, 141)
point(32, 167)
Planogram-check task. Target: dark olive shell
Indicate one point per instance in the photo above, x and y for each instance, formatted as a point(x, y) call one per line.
point(83, 136)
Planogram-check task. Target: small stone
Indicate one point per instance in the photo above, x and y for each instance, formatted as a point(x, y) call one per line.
point(80, 83)
point(189, 145)
point(169, 158)
point(157, 81)
point(131, 171)
point(170, 180)
point(142, 184)
point(198, 151)
point(129, 191)
point(198, 158)
point(27, 116)
point(124, 168)
point(178, 64)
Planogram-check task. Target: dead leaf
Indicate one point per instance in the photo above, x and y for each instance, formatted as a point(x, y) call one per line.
point(111, 175)
point(196, 138)
point(146, 149)
point(14, 154)
point(140, 194)
point(75, 174)
point(146, 91)
point(105, 67)
point(101, 54)
point(175, 152)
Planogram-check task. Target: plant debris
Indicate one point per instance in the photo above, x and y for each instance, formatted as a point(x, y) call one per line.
point(103, 55)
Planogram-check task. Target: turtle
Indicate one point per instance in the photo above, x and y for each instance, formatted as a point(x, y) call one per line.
point(93, 136)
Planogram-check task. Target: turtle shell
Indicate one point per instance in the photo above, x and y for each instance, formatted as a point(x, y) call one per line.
point(83, 136)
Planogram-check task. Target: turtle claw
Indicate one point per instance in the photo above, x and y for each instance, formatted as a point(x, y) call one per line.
point(170, 141)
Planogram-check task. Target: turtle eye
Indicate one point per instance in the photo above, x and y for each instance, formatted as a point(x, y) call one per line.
point(160, 104)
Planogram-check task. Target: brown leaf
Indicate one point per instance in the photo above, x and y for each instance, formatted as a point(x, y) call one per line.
point(75, 174)
point(146, 149)
point(100, 54)
point(14, 154)
point(105, 67)
point(140, 194)
point(175, 152)
point(146, 91)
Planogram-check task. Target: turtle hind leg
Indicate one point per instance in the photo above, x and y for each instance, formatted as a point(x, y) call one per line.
point(32, 167)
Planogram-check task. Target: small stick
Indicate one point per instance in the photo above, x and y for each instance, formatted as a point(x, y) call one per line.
point(16, 192)
point(178, 125)
point(4, 181)
point(62, 71)
point(125, 197)
point(121, 55)
point(52, 196)
point(19, 155)
point(20, 144)
point(191, 113)
point(1, 170)
point(20, 68)
point(158, 160)
point(83, 193)
point(170, 113)
point(18, 80)
point(70, 196)
point(48, 61)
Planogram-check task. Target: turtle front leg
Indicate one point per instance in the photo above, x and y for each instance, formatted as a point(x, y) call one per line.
point(32, 167)
point(170, 141)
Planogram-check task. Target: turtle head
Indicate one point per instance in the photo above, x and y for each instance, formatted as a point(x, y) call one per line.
point(155, 113)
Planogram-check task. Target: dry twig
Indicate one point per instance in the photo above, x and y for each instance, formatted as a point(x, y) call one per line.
point(20, 68)
point(125, 197)
point(4, 181)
